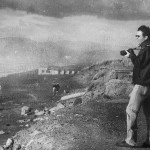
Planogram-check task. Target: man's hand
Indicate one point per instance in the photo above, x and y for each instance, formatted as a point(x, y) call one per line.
point(127, 55)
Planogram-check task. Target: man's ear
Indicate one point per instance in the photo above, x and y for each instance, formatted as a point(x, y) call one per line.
point(146, 37)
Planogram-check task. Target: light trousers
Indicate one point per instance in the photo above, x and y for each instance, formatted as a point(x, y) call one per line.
point(140, 96)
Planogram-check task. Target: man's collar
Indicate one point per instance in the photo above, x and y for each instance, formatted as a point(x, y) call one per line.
point(145, 43)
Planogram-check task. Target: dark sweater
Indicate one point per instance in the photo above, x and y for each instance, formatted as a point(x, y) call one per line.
point(141, 62)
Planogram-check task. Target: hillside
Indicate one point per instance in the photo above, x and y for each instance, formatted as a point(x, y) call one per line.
point(101, 78)
point(28, 89)
point(96, 124)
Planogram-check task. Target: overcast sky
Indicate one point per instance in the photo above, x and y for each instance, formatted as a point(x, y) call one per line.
point(112, 24)
point(115, 9)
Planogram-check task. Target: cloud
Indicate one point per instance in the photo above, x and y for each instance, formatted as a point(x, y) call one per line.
point(74, 32)
point(113, 9)
point(76, 36)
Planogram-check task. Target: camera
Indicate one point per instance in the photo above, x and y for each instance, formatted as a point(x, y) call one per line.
point(123, 52)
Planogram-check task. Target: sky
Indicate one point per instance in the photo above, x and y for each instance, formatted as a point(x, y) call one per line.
point(115, 9)
point(74, 24)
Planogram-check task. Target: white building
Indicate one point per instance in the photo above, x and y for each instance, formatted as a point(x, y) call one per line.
point(72, 72)
point(67, 72)
point(62, 72)
point(45, 71)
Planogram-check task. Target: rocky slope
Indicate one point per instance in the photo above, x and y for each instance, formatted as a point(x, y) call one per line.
point(108, 80)
point(96, 124)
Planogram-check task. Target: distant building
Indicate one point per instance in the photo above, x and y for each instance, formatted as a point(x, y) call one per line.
point(45, 71)
point(62, 72)
point(67, 72)
point(50, 71)
point(72, 72)
point(54, 72)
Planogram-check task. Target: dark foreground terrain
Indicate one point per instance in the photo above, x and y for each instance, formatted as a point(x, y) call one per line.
point(28, 90)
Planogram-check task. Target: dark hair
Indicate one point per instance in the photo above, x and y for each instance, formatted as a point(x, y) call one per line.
point(145, 30)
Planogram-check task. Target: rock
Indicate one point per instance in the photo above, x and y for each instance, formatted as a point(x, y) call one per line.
point(41, 142)
point(4, 147)
point(59, 106)
point(2, 132)
point(25, 110)
point(62, 115)
point(17, 147)
point(1, 148)
point(39, 113)
point(46, 111)
point(71, 96)
point(36, 111)
point(21, 121)
point(38, 119)
point(27, 125)
point(9, 142)
point(118, 88)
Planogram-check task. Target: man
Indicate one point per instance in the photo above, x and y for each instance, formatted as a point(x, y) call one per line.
point(56, 88)
point(140, 95)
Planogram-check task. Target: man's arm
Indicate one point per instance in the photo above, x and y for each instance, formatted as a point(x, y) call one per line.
point(140, 60)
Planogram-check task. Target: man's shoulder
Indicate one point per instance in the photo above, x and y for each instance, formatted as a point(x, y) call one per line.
point(147, 45)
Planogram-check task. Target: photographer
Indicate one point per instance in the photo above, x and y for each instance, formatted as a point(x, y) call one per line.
point(140, 95)
point(56, 88)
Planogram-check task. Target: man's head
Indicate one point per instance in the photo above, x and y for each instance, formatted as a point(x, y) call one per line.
point(143, 33)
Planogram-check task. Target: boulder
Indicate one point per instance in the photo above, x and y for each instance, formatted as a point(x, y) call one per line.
point(118, 88)
point(110, 75)
point(39, 113)
point(25, 110)
point(59, 106)
point(72, 99)
point(17, 147)
point(2, 132)
point(9, 143)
